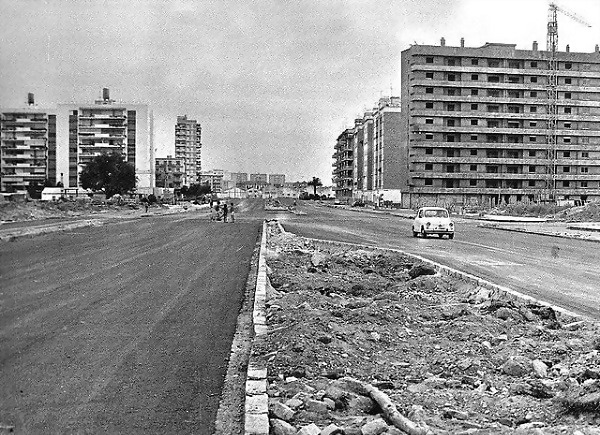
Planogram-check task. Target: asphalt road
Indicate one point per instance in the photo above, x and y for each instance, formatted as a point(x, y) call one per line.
point(561, 271)
point(124, 328)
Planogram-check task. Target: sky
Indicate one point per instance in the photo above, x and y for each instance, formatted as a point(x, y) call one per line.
point(273, 82)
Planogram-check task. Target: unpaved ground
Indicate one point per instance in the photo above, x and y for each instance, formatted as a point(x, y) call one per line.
point(17, 211)
point(449, 355)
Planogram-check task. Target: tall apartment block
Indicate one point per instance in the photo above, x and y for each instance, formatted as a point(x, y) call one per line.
point(259, 178)
point(368, 156)
point(27, 146)
point(106, 126)
point(188, 146)
point(169, 172)
point(277, 179)
point(480, 125)
point(239, 178)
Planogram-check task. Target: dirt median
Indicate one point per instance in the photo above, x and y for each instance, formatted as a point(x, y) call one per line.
point(451, 356)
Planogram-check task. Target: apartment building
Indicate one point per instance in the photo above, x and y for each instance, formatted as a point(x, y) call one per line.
point(277, 179)
point(214, 178)
point(477, 125)
point(188, 147)
point(239, 177)
point(169, 172)
point(259, 178)
point(27, 146)
point(84, 131)
point(343, 166)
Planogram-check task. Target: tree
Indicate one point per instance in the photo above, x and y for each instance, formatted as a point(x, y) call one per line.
point(108, 173)
point(315, 182)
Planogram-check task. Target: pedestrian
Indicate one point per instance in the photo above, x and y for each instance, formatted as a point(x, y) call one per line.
point(225, 212)
point(231, 213)
point(218, 211)
point(211, 203)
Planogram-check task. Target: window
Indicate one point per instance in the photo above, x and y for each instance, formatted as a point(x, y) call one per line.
point(584, 170)
point(493, 93)
point(429, 105)
point(450, 123)
point(567, 95)
point(584, 184)
point(566, 154)
point(566, 139)
point(567, 110)
point(585, 154)
point(429, 60)
point(474, 61)
point(531, 168)
point(451, 77)
point(429, 90)
point(473, 122)
point(567, 125)
point(474, 92)
point(534, 79)
point(472, 182)
point(451, 107)
point(533, 109)
point(429, 151)
point(493, 63)
point(531, 183)
point(533, 94)
point(568, 65)
point(566, 184)
point(473, 152)
point(429, 75)
point(429, 136)
point(492, 123)
point(533, 123)
point(450, 138)
point(533, 64)
point(567, 81)
point(493, 79)
point(429, 166)
point(451, 62)
point(474, 106)
point(473, 137)
point(491, 169)
point(451, 91)
point(474, 77)
point(531, 153)
point(566, 169)
point(428, 182)
point(473, 167)
point(493, 108)
point(429, 121)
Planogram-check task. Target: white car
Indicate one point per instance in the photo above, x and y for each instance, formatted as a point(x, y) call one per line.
point(433, 220)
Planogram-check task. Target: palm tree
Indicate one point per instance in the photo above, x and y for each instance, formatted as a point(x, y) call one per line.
point(314, 183)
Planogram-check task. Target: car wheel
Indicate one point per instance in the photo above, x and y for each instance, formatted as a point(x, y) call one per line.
point(423, 233)
point(415, 234)
point(451, 236)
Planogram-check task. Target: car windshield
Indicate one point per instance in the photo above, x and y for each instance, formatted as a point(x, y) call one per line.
point(436, 213)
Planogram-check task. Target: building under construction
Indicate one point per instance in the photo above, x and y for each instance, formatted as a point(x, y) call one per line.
point(491, 124)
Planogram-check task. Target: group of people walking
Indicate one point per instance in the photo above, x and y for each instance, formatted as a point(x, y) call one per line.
point(224, 212)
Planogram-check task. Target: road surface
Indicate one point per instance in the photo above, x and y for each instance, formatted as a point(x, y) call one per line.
point(124, 328)
point(561, 271)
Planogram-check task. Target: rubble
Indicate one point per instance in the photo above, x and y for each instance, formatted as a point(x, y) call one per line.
point(450, 356)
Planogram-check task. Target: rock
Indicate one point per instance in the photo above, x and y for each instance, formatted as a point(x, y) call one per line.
point(349, 384)
point(294, 403)
point(335, 373)
point(374, 427)
point(298, 372)
point(311, 429)
point(332, 429)
point(315, 406)
point(330, 403)
point(506, 313)
point(516, 366)
point(454, 413)
point(318, 259)
point(325, 339)
point(420, 270)
point(361, 405)
point(540, 368)
point(281, 411)
point(280, 427)
point(481, 294)
point(540, 390)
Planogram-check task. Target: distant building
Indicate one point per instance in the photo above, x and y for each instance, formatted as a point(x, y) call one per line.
point(214, 178)
point(239, 177)
point(84, 131)
point(27, 146)
point(277, 179)
point(188, 147)
point(169, 172)
point(259, 178)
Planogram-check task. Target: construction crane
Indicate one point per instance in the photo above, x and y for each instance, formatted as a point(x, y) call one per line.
point(552, 91)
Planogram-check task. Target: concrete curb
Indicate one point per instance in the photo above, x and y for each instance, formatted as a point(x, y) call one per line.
point(496, 289)
point(256, 416)
point(539, 233)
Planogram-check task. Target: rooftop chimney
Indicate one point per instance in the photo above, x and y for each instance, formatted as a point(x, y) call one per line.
point(443, 42)
point(105, 94)
point(535, 46)
point(462, 42)
point(30, 99)
point(568, 49)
